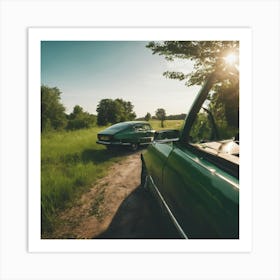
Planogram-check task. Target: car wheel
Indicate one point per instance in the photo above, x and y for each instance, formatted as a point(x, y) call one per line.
point(110, 147)
point(134, 147)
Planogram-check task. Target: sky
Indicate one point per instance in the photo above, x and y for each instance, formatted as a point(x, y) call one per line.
point(89, 71)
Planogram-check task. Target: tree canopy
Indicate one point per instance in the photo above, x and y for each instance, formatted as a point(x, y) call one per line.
point(161, 115)
point(208, 56)
point(53, 115)
point(221, 57)
point(113, 111)
point(79, 119)
point(147, 117)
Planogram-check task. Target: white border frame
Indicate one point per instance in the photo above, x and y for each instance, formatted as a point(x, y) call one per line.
point(262, 16)
point(243, 35)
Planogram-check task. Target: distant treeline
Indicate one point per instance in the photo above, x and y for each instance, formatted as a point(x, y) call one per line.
point(170, 117)
point(54, 117)
point(109, 111)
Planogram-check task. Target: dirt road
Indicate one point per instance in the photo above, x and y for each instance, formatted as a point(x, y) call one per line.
point(115, 207)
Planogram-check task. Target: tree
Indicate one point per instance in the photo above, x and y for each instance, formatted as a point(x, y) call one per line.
point(105, 111)
point(77, 110)
point(114, 111)
point(147, 117)
point(79, 119)
point(161, 115)
point(125, 110)
point(53, 115)
point(208, 57)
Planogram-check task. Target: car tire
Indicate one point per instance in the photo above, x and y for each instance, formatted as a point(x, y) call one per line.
point(134, 147)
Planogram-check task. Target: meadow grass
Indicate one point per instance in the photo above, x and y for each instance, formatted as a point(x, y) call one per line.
point(168, 124)
point(71, 162)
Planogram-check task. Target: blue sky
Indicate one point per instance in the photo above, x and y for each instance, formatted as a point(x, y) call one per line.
point(88, 71)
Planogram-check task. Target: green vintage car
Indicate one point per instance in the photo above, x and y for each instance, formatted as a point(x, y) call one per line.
point(130, 134)
point(194, 173)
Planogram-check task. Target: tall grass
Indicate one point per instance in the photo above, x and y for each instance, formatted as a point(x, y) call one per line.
point(70, 163)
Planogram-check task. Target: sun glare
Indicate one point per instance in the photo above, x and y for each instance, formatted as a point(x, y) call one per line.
point(231, 58)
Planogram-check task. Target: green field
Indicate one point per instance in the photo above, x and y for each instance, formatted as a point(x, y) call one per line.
point(70, 163)
point(168, 124)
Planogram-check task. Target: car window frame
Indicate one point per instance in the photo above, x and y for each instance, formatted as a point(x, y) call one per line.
point(228, 166)
point(138, 127)
point(144, 127)
point(147, 127)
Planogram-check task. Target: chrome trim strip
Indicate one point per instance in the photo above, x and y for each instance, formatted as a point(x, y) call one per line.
point(120, 143)
point(226, 179)
point(147, 143)
point(112, 143)
point(163, 141)
point(169, 211)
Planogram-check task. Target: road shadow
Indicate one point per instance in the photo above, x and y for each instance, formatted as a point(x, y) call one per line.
point(139, 217)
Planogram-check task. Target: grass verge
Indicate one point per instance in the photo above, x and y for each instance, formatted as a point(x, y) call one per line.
point(168, 124)
point(70, 163)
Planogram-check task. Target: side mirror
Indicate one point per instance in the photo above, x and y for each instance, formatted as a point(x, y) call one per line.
point(165, 136)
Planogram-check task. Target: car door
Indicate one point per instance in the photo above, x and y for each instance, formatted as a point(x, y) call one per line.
point(203, 198)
